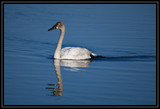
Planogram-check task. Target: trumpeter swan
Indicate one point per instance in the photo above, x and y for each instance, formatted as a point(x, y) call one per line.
point(69, 52)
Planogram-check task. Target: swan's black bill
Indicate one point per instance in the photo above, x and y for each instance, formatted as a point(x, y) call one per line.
point(53, 28)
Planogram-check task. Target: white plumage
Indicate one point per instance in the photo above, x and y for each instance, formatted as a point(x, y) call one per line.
point(75, 53)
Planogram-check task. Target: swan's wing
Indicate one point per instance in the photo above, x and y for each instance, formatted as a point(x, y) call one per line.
point(65, 51)
point(75, 53)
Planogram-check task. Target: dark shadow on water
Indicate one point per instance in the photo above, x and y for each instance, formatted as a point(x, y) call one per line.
point(116, 58)
point(124, 58)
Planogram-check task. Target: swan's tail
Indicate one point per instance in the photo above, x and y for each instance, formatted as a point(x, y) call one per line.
point(96, 56)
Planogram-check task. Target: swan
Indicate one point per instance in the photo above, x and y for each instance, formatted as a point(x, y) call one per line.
point(75, 53)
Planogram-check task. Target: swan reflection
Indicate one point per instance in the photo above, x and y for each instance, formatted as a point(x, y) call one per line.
point(73, 65)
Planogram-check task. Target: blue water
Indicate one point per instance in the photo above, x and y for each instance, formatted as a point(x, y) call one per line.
point(124, 33)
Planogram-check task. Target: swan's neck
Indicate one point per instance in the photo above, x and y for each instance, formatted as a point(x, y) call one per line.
point(59, 45)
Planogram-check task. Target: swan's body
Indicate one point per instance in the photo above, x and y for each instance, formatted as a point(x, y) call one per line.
point(75, 53)
point(69, 52)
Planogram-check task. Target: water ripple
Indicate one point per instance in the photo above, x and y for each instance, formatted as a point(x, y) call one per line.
point(123, 58)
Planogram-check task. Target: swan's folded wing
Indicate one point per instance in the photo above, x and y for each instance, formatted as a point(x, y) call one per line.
point(75, 53)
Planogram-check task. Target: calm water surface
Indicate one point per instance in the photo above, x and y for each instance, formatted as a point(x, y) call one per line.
point(124, 33)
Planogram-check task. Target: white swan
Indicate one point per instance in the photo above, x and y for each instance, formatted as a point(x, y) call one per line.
point(69, 52)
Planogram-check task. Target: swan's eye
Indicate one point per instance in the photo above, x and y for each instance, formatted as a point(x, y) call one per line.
point(58, 24)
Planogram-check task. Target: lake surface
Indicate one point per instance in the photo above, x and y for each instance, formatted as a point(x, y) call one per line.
point(124, 33)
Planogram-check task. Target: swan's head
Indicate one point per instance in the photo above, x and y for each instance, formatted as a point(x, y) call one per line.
point(58, 25)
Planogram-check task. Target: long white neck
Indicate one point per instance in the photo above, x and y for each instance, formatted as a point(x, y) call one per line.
point(59, 45)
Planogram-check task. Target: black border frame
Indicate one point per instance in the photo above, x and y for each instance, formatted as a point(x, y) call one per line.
point(80, 2)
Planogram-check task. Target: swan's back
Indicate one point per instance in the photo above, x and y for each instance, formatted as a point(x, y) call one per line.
point(75, 53)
